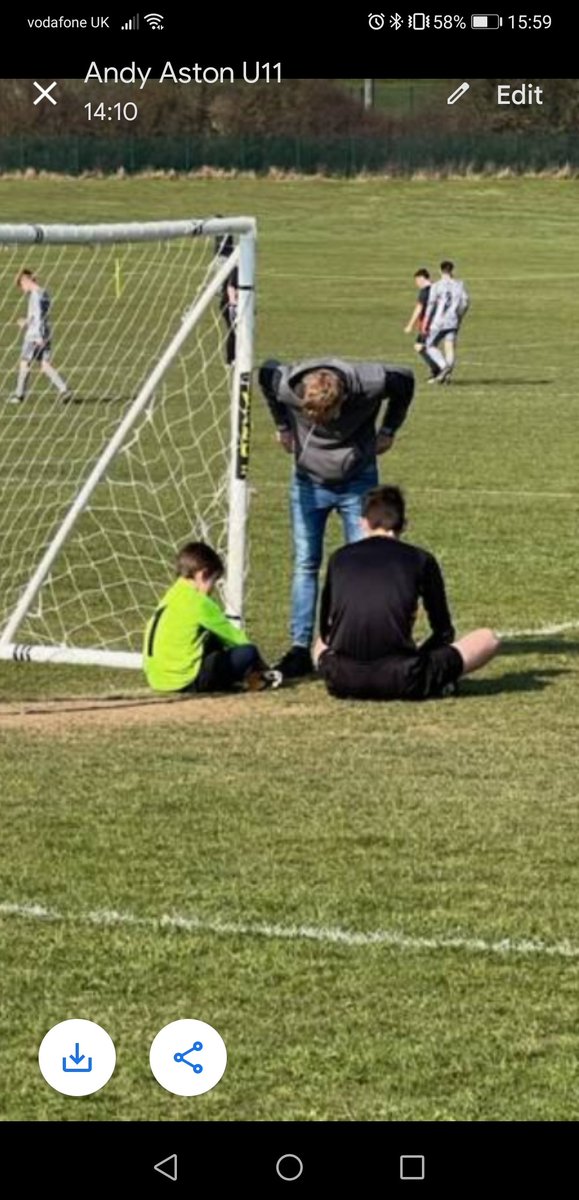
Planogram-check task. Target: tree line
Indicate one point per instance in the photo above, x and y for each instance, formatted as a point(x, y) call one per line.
point(296, 107)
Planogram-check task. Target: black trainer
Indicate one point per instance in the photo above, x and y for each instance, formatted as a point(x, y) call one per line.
point(296, 662)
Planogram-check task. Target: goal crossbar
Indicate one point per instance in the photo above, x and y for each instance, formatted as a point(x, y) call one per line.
point(132, 231)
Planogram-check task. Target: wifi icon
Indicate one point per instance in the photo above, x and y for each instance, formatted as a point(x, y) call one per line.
point(155, 20)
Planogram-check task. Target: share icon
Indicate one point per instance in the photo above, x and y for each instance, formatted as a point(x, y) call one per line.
point(182, 1057)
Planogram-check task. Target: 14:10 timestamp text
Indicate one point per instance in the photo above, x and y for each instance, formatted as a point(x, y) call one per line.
point(112, 112)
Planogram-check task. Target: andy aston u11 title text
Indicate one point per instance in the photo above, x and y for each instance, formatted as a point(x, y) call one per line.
point(132, 73)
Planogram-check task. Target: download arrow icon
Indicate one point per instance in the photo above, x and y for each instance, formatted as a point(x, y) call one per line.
point(77, 1058)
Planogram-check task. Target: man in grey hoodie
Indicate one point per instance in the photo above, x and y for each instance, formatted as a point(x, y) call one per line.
point(325, 412)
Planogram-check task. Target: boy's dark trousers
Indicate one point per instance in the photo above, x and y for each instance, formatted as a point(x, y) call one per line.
point(224, 666)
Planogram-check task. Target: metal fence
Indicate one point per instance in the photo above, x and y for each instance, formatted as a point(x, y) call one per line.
point(340, 156)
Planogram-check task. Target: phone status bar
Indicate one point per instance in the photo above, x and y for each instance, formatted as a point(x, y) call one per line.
point(446, 22)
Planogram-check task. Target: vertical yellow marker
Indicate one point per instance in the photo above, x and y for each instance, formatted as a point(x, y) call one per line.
point(118, 284)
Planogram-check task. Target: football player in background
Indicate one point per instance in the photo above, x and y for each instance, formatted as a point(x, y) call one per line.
point(417, 321)
point(36, 344)
point(447, 304)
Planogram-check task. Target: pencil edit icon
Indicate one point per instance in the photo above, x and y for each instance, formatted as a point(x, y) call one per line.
point(456, 95)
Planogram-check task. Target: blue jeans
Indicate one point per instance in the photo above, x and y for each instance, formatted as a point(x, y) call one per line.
point(311, 505)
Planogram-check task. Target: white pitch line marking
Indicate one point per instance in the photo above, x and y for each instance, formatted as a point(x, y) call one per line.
point(461, 493)
point(541, 631)
point(519, 493)
point(389, 938)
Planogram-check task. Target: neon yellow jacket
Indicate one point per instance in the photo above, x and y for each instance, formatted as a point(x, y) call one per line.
point(176, 633)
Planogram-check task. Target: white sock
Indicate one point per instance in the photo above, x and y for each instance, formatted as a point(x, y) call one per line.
point(54, 377)
point(437, 357)
point(23, 373)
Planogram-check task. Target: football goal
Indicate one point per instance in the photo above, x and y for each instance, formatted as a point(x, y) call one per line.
point(134, 441)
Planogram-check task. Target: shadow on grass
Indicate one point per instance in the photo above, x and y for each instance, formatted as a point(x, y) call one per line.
point(40, 706)
point(516, 681)
point(541, 645)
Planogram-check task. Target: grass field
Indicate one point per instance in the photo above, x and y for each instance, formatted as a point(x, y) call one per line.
point(402, 97)
point(375, 905)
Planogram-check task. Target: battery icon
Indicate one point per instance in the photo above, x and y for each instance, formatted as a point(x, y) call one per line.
point(486, 21)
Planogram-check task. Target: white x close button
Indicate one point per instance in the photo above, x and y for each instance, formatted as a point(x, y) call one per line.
point(44, 92)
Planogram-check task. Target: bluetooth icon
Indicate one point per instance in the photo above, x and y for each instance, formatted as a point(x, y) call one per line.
point(396, 21)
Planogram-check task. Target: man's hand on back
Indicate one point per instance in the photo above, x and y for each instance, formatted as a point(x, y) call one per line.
point(384, 442)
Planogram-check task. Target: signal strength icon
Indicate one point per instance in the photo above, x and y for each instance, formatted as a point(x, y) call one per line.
point(155, 20)
point(132, 23)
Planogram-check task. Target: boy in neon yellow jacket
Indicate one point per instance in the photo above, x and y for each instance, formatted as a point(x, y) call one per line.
point(190, 645)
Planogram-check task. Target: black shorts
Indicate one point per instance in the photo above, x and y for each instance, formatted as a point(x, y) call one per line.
point(420, 676)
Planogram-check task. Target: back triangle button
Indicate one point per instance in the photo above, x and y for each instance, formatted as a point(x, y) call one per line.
point(167, 1167)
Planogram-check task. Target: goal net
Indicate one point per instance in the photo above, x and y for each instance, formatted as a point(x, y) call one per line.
point(129, 436)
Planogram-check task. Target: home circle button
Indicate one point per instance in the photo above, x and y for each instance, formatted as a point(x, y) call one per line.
point(289, 1167)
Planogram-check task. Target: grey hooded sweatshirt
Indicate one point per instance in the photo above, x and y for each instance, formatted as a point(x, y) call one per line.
point(341, 450)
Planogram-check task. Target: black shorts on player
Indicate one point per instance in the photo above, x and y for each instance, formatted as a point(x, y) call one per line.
point(425, 675)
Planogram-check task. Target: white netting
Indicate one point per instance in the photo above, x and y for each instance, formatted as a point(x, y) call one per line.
point(115, 308)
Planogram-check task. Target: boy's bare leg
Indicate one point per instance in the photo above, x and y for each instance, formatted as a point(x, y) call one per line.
point(477, 649)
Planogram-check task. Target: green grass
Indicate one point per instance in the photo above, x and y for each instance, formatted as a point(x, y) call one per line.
point(402, 97)
point(450, 820)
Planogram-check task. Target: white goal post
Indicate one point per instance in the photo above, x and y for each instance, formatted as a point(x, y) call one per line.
point(136, 438)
